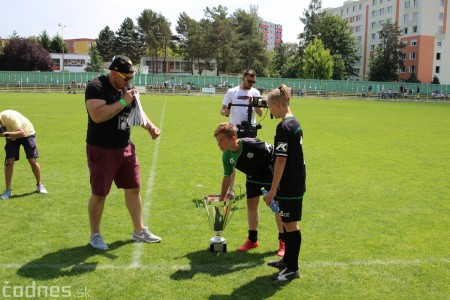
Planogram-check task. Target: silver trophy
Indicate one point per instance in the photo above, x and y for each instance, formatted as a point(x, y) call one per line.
point(219, 214)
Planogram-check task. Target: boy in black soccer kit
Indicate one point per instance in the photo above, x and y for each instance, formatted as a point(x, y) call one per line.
point(255, 159)
point(288, 185)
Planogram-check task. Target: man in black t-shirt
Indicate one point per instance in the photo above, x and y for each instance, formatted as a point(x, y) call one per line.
point(255, 159)
point(111, 155)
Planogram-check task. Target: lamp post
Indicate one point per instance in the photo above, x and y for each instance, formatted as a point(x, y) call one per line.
point(62, 36)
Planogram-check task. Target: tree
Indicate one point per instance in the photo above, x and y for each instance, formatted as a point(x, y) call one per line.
point(96, 63)
point(250, 49)
point(387, 60)
point(127, 42)
point(220, 38)
point(57, 45)
point(435, 80)
point(44, 40)
point(413, 78)
point(284, 62)
point(336, 36)
point(318, 63)
point(20, 54)
point(105, 44)
point(191, 43)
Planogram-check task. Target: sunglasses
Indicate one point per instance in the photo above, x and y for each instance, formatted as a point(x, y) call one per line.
point(126, 78)
point(250, 81)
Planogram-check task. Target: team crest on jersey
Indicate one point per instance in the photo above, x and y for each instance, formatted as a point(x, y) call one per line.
point(282, 147)
point(250, 155)
point(231, 160)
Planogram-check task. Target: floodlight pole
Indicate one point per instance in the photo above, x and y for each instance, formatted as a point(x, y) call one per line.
point(62, 36)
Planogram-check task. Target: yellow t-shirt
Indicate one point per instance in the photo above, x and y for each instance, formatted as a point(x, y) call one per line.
point(14, 120)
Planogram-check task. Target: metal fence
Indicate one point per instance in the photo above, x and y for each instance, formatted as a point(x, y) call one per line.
point(51, 80)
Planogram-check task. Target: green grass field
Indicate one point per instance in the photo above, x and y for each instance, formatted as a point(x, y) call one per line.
point(375, 218)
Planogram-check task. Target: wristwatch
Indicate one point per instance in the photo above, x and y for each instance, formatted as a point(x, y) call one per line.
point(6, 134)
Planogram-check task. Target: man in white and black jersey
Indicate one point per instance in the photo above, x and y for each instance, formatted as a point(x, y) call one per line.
point(255, 159)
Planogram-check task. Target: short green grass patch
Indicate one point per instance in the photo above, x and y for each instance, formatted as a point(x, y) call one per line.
point(375, 217)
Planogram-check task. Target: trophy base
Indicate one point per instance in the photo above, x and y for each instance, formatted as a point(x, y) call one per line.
point(218, 245)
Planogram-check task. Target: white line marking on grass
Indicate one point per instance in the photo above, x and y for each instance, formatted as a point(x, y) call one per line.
point(148, 193)
point(207, 267)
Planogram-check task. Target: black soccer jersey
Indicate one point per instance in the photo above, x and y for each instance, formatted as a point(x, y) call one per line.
point(254, 158)
point(288, 143)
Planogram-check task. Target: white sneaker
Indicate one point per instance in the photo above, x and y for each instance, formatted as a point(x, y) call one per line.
point(6, 194)
point(145, 236)
point(41, 189)
point(97, 242)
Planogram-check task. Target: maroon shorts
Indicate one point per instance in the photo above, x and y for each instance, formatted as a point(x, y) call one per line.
point(108, 165)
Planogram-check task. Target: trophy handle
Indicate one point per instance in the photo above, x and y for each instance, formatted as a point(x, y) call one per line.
point(199, 199)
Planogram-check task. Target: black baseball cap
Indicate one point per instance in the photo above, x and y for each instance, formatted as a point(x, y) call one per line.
point(121, 64)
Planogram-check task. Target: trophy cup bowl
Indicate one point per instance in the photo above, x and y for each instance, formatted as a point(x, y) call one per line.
point(219, 214)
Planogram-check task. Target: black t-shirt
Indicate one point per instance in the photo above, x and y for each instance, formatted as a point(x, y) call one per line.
point(115, 132)
point(254, 158)
point(288, 143)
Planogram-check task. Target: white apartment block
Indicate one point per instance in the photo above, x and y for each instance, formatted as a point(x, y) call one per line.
point(423, 24)
point(273, 34)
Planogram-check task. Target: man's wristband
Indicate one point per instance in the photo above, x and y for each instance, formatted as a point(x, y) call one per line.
point(123, 102)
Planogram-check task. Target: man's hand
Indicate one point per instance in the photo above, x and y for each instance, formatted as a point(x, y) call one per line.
point(154, 132)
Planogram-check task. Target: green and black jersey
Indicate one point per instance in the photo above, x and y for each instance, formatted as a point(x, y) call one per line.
point(254, 158)
point(288, 143)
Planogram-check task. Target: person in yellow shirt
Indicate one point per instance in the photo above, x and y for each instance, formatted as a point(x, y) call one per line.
point(19, 131)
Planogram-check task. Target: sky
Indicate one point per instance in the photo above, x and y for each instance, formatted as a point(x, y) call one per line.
point(86, 18)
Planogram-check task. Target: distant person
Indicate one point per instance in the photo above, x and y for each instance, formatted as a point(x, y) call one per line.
point(111, 155)
point(254, 158)
point(289, 181)
point(19, 131)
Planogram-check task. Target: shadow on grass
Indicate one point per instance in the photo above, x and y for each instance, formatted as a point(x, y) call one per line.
point(260, 288)
point(22, 195)
point(66, 262)
point(220, 264)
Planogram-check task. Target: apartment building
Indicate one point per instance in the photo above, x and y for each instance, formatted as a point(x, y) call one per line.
point(272, 34)
point(423, 24)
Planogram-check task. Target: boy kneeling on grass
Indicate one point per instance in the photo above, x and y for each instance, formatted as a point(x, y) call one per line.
point(255, 159)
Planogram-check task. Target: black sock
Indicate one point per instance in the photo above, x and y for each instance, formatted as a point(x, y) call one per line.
point(293, 243)
point(253, 235)
point(281, 236)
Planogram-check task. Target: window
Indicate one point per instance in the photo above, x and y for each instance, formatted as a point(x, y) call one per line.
point(442, 3)
point(403, 56)
point(415, 16)
point(438, 56)
point(405, 18)
point(414, 29)
point(389, 9)
point(413, 43)
point(360, 6)
point(415, 3)
point(440, 29)
point(372, 36)
point(412, 55)
point(412, 69)
point(403, 69)
point(374, 24)
point(372, 47)
point(381, 11)
point(405, 30)
point(439, 44)
point(359, 38)
point(374, 2)
point(441, 16)
point(407, 4)
point(438, 69)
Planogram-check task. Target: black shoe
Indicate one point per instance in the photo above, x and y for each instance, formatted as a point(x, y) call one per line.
point(286, 275)
point(279, 264)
